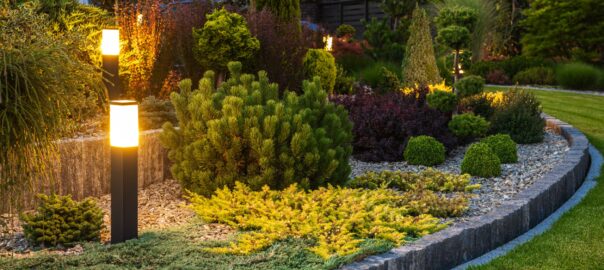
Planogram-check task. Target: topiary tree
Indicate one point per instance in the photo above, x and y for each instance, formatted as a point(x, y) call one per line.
point(468, 126)
point(242, 131)
point(469, 86)
point(454, 26)
point(223, 38)
point(319, 62)
point(346, 31)
point(419, 64)
point(61, 221)
point(286, 10)
point(481, 161)
point(424, 150)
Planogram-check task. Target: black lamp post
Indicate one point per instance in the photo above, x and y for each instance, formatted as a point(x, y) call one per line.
point(123, 135)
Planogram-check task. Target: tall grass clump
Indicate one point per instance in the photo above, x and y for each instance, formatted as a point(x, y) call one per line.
point(578, 76)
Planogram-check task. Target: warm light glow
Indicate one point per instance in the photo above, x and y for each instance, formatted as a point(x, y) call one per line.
point(123, 123)
point(328, 43)
point(139, 19)
point(110, 42)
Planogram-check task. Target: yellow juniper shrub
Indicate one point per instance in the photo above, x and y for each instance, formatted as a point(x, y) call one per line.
point(494, 97)
point(339, 219)
point(433, 87)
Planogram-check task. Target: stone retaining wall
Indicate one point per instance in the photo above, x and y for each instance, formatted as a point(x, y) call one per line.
point(479, 235)
point(84, 169)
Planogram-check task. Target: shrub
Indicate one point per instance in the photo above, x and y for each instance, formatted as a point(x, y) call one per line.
point(345, 31)
point(442, 100)
point(61, 221)
point(373, 74)
point(424, 150)
point(578, 76)
point(481, 161)
point(382, 124)
point(154, 113)
point(321, 63)
point(469, 86)
point(503, 146)
point(497, 76)
point(419, 64)
point(223, 38)
point(337, 219)
point(519, 115)
point(388, 81)
point(429, 179)
point(536, 76)
point(243, 131)
point(385, 43)
point(479, 105)
point(344, 83)
point(468, 126)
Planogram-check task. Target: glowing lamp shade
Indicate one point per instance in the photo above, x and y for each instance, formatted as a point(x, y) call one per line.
point(328, 43)
point(110, 42)
point(123, 123)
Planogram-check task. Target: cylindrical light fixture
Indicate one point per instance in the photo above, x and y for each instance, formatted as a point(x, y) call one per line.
point(110, 49)
point(123, 132)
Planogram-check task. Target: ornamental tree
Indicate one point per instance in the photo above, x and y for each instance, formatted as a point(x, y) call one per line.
point(419, 65)
point(286, 10)
point(224, 37)
point(454, 26)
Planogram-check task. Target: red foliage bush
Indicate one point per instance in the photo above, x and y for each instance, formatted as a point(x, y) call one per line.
point(497, 76)
point(383, 124)
point(342, 46)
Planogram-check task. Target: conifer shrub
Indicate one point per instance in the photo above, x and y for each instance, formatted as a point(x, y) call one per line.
point(482, 105)
point(59, 220)
point(429, 179)
point(321, 63)
point(519, 115)
point(382, 124)
point(388, 81)
point(469, 86)
point(419, 64)
point(468, 126)
point(345, 30)
point(481, 161)
point(442, 100)
point(424, 150)
point(243, 131)
point(503, 146)
point(154, 113)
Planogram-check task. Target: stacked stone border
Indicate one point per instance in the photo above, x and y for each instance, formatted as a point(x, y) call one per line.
point(465, 241)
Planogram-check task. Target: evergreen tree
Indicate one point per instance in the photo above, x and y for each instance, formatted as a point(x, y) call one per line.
point(419, 66)
point(286, 10)
point(454, 30)
point(242, 131)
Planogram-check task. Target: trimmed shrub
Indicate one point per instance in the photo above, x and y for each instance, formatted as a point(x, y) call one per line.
point(321, 63)
point(519, 115)
point(242, 131)
point(384, 123)
point(469, 86)
point(61, 221)
point(442, 100)
point(424, 150)
point(536, 76)
point(578, 76)
point(481, 161)
point(503, 146)
point(345, 30)
point(468, 126)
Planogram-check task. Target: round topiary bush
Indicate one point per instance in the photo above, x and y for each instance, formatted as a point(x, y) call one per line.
point(481, 161)
point(504, 147)
point(469, 86)
point(468, 126)
point(442, 101)
point(424, 150)
point(321, 63)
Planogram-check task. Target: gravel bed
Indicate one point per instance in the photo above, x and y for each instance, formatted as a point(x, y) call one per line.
point(534, 161)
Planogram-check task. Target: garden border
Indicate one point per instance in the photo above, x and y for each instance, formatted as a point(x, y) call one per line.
point(465, 241)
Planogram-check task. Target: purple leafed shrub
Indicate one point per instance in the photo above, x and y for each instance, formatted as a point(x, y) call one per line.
point(383, 124)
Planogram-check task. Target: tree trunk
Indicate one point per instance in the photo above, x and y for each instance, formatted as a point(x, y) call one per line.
point(456, 65)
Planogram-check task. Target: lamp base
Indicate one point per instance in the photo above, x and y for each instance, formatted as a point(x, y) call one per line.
point(124, 194)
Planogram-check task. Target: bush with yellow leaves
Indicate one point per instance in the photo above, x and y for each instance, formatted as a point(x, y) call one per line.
point(339, 219)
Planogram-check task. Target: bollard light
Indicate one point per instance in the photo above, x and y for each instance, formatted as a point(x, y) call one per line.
point(110, 49)
point(123, 137)
point(328, 43)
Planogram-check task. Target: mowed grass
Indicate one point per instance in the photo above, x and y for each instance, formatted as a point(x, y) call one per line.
point(576, 241)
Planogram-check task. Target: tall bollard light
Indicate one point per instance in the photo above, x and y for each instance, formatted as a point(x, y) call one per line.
point(123, 132)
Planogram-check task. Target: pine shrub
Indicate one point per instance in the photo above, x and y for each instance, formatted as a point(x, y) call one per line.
point(442, 101)
point(481, 161)
point(469, 86)
point(424, 150)
point(242, 131)
point(503, 146)
point(61, 221)
point(321, 63)
point(468, 126)
point(519, 115)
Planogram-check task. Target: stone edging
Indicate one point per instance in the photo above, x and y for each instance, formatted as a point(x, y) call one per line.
point(468, 240)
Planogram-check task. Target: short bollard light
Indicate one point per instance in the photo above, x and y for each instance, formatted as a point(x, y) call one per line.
point(110, 49)
point(123, 136)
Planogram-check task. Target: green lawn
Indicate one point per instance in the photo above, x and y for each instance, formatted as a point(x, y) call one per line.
point(576, 241)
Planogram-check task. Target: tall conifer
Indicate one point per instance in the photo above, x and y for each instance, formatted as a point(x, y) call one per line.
point(419, 65)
